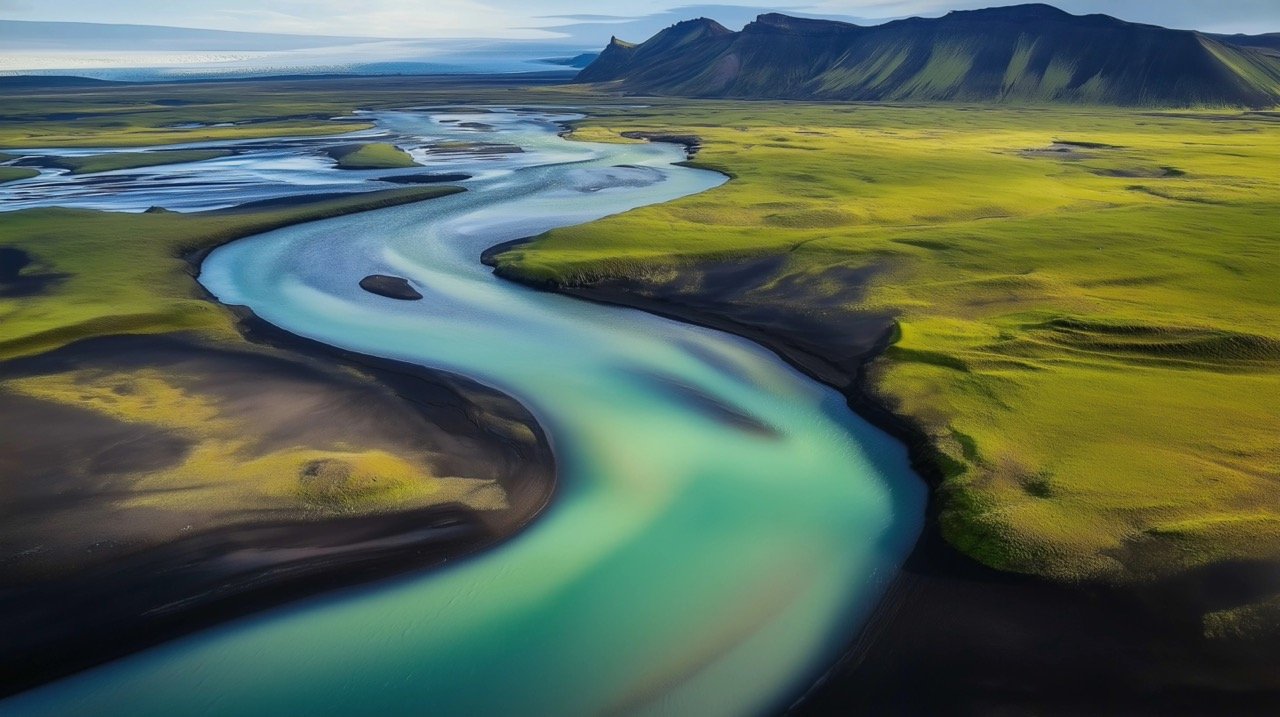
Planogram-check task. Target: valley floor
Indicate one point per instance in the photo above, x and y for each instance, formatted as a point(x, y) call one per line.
point(1070, 314)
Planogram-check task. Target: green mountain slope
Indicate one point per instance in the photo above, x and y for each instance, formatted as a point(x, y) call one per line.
point(1025, 53)
point(680, 44)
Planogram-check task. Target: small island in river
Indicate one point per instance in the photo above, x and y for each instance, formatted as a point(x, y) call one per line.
point(392, 287)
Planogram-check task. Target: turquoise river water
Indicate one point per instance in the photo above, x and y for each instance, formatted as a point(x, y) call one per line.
point(722, 527)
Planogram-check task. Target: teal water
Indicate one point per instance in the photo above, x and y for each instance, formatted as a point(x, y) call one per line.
point(722, 527)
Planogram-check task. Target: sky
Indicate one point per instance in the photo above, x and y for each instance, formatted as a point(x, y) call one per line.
point(580, 20)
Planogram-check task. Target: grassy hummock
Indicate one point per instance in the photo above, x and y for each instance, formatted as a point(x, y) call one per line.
point(375, 155)
point(13, 174)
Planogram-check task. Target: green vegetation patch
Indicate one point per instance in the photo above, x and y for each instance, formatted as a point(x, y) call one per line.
point(375, 155)
point(90, 164)
point(13, 174)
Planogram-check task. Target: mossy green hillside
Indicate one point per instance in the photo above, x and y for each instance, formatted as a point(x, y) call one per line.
point(1016, 55)
point(1090, 328)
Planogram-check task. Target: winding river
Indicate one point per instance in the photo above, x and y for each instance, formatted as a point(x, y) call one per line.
point(723, 524)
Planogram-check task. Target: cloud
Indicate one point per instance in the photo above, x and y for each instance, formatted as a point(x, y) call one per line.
point(378, 18)
point(532, 19)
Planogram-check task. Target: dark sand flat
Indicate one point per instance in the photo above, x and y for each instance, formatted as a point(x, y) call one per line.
point(81, 556)
point(437, 178)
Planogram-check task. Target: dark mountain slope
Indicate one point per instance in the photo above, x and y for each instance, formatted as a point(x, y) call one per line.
point(1026, 53)
point(679, 45)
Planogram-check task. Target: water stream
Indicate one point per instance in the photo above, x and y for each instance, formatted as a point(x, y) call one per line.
point(723, 523)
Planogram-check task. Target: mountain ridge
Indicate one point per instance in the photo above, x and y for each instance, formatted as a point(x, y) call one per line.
point(1016, 54)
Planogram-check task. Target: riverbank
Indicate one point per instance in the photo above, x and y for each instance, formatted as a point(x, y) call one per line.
point(953, 636)
point(1048, 307)
point(167, 475)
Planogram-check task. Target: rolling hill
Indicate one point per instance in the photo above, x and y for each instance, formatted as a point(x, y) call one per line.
point(1018, 54)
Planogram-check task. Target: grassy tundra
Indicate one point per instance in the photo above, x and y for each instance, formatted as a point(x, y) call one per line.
point(1089, 326)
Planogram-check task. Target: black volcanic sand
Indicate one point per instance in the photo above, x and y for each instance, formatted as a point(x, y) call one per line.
point(86, 577)
point(295, 201)
point(953, 637)
point(423, 178)
point(392, 287)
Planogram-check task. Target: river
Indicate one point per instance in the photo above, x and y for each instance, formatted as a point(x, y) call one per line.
point(723, 524)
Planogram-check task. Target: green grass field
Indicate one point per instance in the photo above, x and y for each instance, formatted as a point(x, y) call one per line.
point(1090, 324)
point(13, 174)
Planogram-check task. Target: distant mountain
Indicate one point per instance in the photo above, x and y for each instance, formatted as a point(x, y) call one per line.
point(577, 62)
point(1269, 44)
point(682, 44)
point(1024, 53)
point(32, 82)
